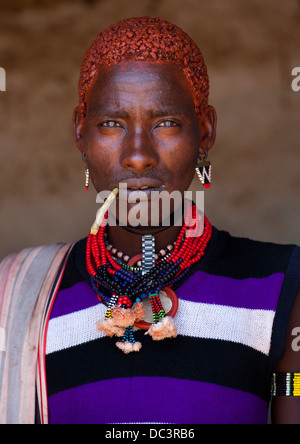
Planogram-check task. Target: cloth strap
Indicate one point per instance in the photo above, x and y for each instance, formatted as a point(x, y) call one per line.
point(27, 283)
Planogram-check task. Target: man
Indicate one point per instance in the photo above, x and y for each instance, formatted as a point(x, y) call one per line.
point(142, 122)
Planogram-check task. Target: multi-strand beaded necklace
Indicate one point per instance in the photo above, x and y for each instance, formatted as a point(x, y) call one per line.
point(122, 287)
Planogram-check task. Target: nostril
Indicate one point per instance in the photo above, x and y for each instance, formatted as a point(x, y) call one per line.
point(139, 161)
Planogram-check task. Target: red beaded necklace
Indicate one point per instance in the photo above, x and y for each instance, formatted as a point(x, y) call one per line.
point(128, 290)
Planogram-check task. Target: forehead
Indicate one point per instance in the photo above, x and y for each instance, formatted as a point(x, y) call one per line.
point(141, 84)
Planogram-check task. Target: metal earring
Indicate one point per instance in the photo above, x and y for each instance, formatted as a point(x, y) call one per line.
point(87, 173)
point(203, 170)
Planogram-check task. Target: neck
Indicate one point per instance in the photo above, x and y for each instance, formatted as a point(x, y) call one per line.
point(130, 242)
point(128, 239)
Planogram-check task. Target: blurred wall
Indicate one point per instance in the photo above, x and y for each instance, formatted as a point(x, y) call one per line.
point(250, 47)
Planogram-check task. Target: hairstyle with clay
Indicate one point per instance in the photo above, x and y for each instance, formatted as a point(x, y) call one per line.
point(145, 39)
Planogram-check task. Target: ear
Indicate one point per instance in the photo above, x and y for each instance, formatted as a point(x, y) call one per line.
point(208, 128)
point(78, 124)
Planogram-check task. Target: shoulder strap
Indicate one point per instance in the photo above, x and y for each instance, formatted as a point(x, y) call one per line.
point(51, 289)
point(25, 281)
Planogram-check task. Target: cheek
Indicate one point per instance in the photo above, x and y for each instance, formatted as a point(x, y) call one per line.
point(182, 164)
point(100, 164)
point(100, 156)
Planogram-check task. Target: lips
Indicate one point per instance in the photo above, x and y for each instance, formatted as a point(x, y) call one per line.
point(141, 184)
point(139, 188)
point(146, 187)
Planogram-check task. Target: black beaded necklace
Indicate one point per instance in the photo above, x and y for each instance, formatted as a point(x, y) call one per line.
point(125, 291)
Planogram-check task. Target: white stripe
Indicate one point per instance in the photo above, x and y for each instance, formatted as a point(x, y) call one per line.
point(240, 325)
point(74, 328)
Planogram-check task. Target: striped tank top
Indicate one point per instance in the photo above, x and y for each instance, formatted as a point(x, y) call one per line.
point(234, 307)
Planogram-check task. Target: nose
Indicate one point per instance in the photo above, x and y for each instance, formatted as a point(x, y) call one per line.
point(139, 153)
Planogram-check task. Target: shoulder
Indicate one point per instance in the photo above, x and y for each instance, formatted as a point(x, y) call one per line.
point(241, 257)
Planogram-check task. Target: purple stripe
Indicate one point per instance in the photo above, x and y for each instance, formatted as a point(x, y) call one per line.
point(201, 287)
point(155, 400)
point(252, 293)
point(73, 299)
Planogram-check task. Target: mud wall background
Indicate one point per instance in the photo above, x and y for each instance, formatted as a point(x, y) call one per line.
point(250, 47)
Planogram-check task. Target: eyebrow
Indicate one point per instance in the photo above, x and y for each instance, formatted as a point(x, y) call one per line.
point(165, 112)
point(123, 114)
point(116, 113)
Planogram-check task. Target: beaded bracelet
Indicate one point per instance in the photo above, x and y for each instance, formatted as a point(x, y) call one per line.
point(286, 384)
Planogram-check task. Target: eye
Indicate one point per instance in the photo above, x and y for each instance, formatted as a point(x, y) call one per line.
point(110, 124)
point(168, 124)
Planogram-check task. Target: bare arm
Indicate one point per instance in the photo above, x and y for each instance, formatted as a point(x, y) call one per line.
point(286, 410)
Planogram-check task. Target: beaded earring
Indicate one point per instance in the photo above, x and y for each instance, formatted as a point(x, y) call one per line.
point(203, 170)
point(87, 179)
point(87, 173)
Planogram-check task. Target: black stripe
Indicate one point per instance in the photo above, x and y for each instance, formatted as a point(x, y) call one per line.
point(75, 270)
point(221, 362)
point(241, 258)
point(228, 256)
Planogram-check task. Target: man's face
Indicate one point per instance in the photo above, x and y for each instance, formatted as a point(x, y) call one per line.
point(141, 129)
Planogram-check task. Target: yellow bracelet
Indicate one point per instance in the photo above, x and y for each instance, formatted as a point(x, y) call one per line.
point(286, 384)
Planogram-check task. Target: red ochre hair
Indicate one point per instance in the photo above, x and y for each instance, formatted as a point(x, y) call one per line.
point(145, 39)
